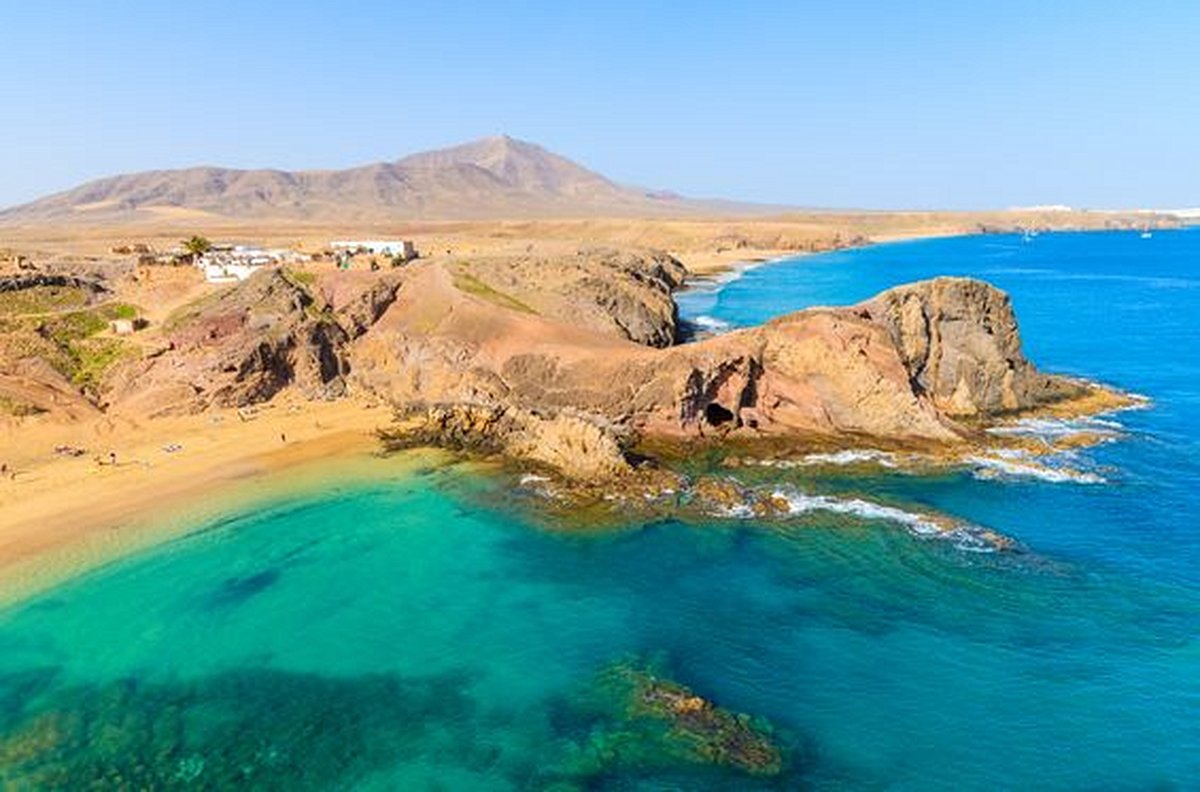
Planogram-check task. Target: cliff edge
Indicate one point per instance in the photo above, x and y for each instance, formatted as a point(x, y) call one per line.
point(570, 362)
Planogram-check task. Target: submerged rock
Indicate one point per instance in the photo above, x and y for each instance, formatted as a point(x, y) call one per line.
point(648, 721)
point(248, 729)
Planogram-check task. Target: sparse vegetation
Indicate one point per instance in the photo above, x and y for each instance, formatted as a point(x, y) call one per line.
point(93, 357)
point(42, 299)
point(300, 277)
point(197, 246)
point(17, 408)
point(68, 341)
point(469, 284)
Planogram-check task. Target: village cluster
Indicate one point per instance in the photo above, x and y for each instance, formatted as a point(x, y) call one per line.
point(230, 263)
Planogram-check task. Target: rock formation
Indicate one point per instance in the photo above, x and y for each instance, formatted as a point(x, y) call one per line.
point(613, 292)
point(574, 446)
point(567, 362)
point(903, 367)
point(245, 345)
point(958, 340)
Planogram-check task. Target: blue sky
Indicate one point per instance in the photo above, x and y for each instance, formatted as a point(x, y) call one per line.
point(848, 104)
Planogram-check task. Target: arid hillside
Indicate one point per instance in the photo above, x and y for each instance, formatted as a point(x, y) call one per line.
point(496, 177)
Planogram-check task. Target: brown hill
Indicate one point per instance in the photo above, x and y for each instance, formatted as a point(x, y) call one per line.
point(492, 178)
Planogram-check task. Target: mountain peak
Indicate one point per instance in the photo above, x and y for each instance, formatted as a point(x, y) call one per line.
point(493, 177)
point(483, 151)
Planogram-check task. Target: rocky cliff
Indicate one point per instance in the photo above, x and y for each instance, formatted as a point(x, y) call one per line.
point(618, 293)
point(958, 340)
point(907, 366)
point(567, 362)
point(245, 345)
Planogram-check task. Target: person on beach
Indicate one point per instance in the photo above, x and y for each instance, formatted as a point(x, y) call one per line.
point(112, 458)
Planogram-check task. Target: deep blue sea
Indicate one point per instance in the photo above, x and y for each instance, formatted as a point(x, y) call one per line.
point(425, 635)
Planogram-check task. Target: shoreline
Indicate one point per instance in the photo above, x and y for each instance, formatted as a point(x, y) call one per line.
point(65, 517)
point(61, 516)
point(716, 269)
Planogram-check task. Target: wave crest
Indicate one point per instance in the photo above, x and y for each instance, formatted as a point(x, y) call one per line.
point(963, 535)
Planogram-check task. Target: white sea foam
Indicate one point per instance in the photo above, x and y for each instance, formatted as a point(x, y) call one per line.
point(850, 456)
point(707, 284)
point(1009, 465)
point(709, 322)
point(530, 478)
point(964, 535)
point(799, 503)
point(1056, 428)
point(738, 511)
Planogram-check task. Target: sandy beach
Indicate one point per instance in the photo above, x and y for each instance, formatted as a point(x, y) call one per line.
point(60, 514)
point(63, 514)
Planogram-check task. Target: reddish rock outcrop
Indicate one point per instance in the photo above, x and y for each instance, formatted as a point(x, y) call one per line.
point(903, 367)
point(558, 361)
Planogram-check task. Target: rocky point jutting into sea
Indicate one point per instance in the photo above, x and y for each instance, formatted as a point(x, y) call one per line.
point(571, 363)
point(778, 599)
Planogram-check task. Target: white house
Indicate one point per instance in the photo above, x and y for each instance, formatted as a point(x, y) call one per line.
point(229, 264)
point(386, 247)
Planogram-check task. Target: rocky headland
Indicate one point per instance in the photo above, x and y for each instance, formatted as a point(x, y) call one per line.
point(573, 363)
point(569, 368)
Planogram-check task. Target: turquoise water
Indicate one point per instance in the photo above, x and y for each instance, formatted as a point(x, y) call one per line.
point(424, 635)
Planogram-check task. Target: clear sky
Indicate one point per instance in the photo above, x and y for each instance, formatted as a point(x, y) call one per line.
point(955, 104)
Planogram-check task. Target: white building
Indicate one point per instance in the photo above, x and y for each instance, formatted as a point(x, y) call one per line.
point(229, 264)
point(385, 247)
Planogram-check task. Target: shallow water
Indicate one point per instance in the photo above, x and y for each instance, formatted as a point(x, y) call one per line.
point(425, 635)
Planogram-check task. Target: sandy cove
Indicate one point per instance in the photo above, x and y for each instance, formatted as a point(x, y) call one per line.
point(62, 515)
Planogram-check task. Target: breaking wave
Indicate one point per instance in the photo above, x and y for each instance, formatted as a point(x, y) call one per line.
point(705, 322)
point(849, 456)
point(845, 457)
point(963, 535)
point(1050, 429)
point(1009, 464)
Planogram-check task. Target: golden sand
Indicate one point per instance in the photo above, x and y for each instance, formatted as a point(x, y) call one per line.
point(62, 515)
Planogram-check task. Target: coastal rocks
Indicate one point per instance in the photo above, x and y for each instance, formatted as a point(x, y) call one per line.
point(820, 372)
point(31, 386)
point(721, 395)
point(959, 342)
point(639, 301)
point(918, 367)
point(572, 445)
point(364, 309)
point(247, 344)
point(617, 293)
point(907, 365)
point(708, 733)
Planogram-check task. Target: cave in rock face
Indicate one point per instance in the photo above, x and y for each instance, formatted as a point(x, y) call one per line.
point(716, 414)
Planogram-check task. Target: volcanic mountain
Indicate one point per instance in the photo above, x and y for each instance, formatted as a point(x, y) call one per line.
point(492, 178)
